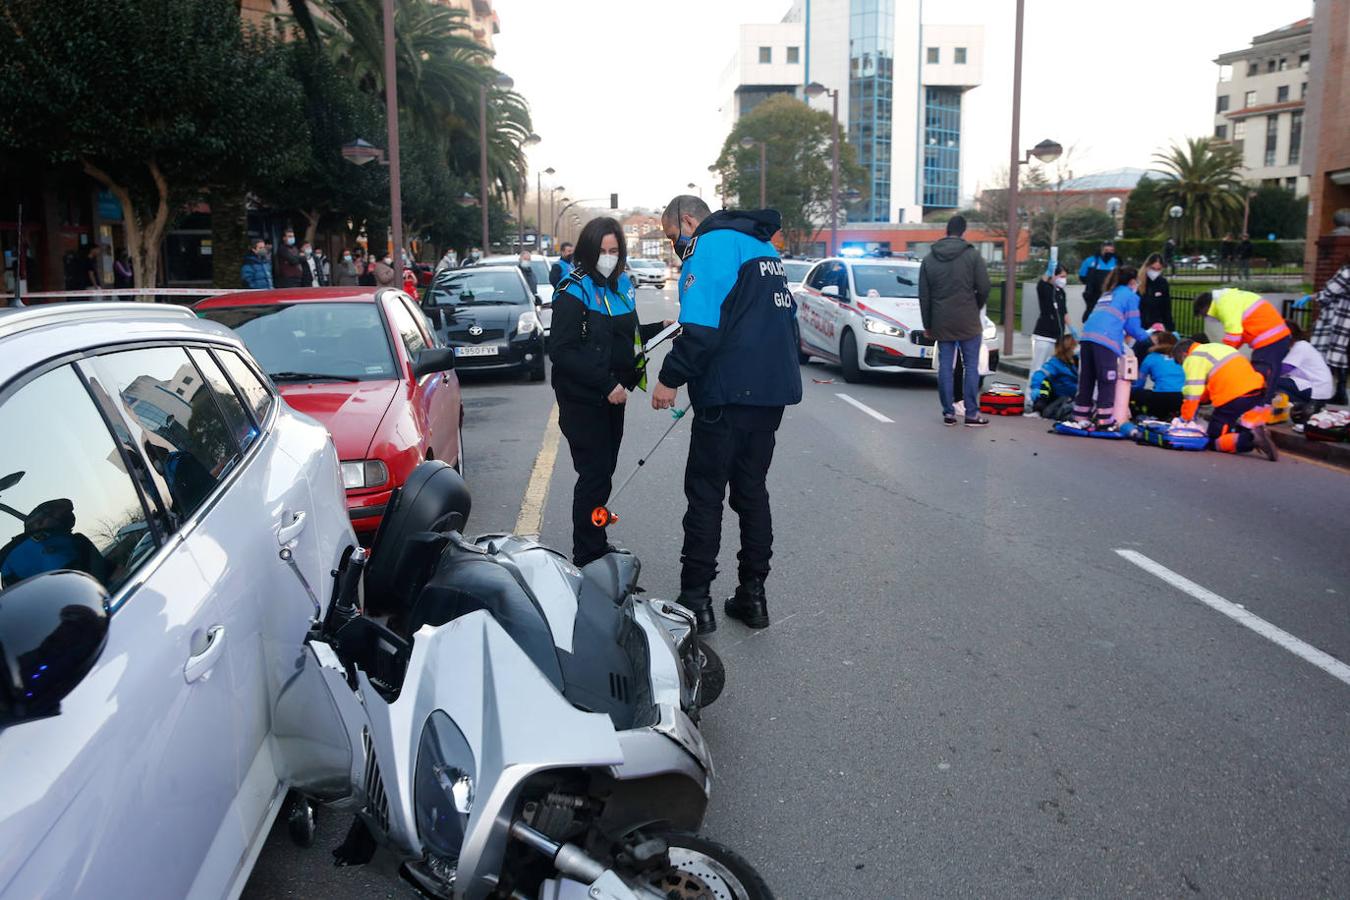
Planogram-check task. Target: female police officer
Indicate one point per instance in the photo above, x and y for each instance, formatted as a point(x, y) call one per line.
point(593, 345)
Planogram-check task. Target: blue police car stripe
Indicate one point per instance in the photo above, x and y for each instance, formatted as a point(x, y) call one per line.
point(711, 270)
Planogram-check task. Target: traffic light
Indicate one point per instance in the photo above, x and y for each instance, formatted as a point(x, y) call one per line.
point(613, 201)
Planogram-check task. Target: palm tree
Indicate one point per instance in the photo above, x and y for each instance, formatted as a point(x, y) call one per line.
point(1204, 179)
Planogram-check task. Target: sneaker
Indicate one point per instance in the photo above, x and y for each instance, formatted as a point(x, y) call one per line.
point(979, 422)
point(948, 419)
point(1264, 445)
point(960, 407)
point(1080, 425)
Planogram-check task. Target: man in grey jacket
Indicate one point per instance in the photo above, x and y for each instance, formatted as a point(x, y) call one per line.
point(953, 288)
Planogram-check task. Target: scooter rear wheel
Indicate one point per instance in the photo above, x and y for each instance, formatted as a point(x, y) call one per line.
point(701, 869)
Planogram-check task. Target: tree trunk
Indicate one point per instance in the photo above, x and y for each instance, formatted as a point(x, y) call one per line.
point(312, 216)
point(229, 237)
point(143, 238)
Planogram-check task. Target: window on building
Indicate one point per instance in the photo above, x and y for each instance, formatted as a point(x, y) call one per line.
point(934, 55)
point(1272, 138)
point(766, 54)
point(1270, 65)
point(1291, 183)
point(1249, 99)
point(942, 148)
point(1239, 130)
point(1221, 132)
point(1303, 60)
point(1295, 137)
point(1253, 68)
point(1282, 94)
point(794, 55)
point(1221, 104)
point(1284, 63)
point(960, 56)
point(1303, 91)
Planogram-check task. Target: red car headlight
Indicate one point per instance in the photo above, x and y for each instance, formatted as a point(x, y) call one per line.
point(364, 473)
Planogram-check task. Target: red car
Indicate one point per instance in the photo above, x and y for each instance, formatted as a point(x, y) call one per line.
point(365, 363)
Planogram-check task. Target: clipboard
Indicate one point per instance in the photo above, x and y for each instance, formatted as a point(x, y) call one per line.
point(664, 335)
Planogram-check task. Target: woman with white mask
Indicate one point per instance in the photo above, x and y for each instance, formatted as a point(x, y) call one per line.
point(1155, 295)
point(1053, 321)
point(594, 344)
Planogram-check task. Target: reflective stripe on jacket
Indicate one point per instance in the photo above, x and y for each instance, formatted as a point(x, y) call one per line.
point(1247, 318)
point(1219, 371)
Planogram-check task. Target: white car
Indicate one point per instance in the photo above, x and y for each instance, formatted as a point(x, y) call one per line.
point(539, 266)
point(795, 270)
point(647, 271)
point(863, 314)
point(196, 517)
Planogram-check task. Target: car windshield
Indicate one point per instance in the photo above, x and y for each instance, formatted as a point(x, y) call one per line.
point(466, 287)
point(795, 271)
point(887, 280)
point(313, 341)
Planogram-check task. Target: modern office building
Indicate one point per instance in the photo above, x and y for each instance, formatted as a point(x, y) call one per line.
point(1259, 104)
point(900, 87)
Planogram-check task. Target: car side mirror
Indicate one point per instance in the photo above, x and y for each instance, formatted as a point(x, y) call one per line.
point(432, 360)
point(537, 301)
point(830, 290)
point(53, 627)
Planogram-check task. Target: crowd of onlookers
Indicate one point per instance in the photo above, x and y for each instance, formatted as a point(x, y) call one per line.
point(290, 265)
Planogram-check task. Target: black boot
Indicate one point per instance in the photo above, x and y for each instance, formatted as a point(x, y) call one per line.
point(748, 604)
point(698, 602)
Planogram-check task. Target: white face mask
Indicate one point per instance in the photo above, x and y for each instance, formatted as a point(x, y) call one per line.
point(1061, 281)
point(1154, 273)
point(606, 264)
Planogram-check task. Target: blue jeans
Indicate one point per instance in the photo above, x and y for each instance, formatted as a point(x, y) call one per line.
point(970, 363)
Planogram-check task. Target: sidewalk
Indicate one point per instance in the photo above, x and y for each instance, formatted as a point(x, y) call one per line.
point(1018, 365)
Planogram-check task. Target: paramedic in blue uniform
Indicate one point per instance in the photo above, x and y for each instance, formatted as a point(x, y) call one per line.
point(737, 352)
point(595, 365)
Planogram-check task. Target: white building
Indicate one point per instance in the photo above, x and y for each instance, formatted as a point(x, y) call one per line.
point(1259, 104)
point(900, 86)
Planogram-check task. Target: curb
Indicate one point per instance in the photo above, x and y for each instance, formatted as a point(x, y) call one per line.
point(1332, 454)
point(1010, 367)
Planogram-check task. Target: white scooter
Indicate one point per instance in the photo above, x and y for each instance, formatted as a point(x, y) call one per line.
point(505, 725)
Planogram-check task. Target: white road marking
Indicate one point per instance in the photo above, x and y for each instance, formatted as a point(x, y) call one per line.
point(1324, 661)
point(531, 517)
point(865, 408)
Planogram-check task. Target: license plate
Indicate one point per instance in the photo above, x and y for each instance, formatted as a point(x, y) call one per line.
point(486, 350)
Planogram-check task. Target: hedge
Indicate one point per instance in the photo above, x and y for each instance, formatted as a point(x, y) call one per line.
point(1136, 250)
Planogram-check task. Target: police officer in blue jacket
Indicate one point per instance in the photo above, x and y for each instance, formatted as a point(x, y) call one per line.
point(593, 346)
point(737, 352)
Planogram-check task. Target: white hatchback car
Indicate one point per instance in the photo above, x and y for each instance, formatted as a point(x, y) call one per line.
point(863, 314)
point(165, 525)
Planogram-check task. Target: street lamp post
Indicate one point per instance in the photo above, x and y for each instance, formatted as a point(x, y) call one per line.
point(1175, 213)
point(539, 204)
point(553, 196)
point(720, 187)
point(531, 141)
point(815, 89)
point(391, 118)
point(692, 186)
point(749, 143)
point(504, 82)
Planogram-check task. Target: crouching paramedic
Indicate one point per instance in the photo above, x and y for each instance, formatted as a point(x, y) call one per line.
point(1220, 374)
point(737, 352)
point(1250, 319)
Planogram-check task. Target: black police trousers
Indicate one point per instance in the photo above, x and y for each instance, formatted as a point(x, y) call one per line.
point(593, 435)
point(728, 446)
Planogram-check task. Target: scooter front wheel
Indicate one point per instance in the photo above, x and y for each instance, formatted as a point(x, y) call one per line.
point(701, 869)
point(712, 675)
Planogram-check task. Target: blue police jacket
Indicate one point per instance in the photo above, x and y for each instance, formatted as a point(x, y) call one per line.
point(740, 340)
point(1112, 318)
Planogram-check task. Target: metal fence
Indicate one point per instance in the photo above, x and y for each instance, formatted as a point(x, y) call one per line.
point(1188, 323)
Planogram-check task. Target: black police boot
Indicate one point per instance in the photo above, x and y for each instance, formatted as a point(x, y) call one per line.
point(749, 604)
point(697, 601)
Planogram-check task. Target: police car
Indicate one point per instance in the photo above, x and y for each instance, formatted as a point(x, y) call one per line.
point(863, 315)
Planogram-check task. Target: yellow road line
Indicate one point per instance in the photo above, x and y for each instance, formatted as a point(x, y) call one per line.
point(531, 518)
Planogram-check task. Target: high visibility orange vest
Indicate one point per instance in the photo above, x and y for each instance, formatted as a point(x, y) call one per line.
point(1219, 371)
point(1247, 318)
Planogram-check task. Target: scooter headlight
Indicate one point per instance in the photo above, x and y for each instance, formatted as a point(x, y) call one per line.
point(443, 791)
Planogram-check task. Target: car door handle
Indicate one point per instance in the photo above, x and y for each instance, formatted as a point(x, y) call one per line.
point(288, 533)
point(200, 663)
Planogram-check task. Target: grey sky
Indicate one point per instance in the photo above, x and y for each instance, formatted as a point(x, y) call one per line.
point(1115, 81)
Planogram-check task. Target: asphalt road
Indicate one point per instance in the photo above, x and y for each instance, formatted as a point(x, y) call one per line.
point(966, 690)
